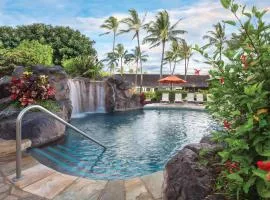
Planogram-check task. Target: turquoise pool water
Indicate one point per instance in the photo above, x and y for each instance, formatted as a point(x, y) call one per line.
point(138, 142)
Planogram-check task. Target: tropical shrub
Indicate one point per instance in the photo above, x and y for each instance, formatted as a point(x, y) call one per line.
point(27, 53)
point(240, 86)
point(85, 66)
point(30, 88)
point(65, 42)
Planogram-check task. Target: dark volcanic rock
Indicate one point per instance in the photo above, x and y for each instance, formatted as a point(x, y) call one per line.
point(37, 126)
point(4, 82)
point(186, 178)
point(119, 95)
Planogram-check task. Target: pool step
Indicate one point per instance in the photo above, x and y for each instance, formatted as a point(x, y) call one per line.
point(62, 157)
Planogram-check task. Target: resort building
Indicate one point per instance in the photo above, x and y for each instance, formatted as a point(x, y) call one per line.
point(150, 82)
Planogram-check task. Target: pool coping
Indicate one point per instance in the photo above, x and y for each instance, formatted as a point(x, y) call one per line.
point(47, 183)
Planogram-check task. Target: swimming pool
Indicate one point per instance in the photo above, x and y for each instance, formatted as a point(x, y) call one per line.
point(138, 142)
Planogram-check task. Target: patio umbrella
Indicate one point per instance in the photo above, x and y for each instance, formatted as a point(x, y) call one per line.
point(172, 80)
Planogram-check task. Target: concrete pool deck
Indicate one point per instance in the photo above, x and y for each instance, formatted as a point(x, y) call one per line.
point(41, 182)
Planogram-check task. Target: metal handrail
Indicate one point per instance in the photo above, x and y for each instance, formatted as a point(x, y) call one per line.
point(19, 134)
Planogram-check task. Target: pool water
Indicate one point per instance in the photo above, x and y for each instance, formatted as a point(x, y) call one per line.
point(138, 142)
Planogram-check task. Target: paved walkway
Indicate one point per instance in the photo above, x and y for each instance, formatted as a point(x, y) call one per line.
point(41, 182)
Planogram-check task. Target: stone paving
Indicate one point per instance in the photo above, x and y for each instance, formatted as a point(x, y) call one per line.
point(41, 182)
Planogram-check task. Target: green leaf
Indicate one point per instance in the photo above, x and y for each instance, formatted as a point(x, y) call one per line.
point(234, 8)
point(225, 3)
point(233, 23)
point(224, 155)
point(235, 177)
point(248, 184)
point(263, 189)
point(263, 149)
point(259, 173)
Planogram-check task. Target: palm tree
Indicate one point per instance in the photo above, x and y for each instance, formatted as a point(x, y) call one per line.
point(120, 54)
point(169, 59)
point(185, 52)
point(174, 55)
point(137, 57)
point(135, 24)
point(160, 31)
point(217, 39)
point(112, 25)
point(111, 61)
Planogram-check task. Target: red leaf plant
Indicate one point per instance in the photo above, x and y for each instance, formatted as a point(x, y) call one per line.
point(232, 167)
point(29, 88)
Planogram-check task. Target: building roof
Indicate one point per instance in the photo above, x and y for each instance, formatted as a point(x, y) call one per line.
point(151, 80)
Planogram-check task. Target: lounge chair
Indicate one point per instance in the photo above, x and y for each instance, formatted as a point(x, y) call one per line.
point(199, 98)
point(190, 97)
point(178, 98)
point(209, 98)
point(165, 98)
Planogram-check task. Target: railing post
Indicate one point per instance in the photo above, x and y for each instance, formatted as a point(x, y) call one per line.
point(19, 135)
point(18, 147)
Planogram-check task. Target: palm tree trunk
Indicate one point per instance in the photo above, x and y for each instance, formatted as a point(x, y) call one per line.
point(170, 63)
point(140, 55)
point(174, 67)
point(136, 76)
point(121, 66)
point(114, 36)
point(162, 58)
point(185, 68)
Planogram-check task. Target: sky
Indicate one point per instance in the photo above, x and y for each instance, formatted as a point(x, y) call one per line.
point(197, 16)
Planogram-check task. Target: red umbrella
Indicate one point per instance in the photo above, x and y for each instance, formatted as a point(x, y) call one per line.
point(172, 79)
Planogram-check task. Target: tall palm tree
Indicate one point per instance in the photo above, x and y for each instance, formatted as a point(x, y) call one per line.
point(120, 54)
point(217, 39)
point(160, 31)
point(135, 24)
point(185, 52)
point(112, 25)
point(137, 57)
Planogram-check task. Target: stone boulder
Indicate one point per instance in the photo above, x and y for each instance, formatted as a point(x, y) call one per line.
point(186, 177)
point(38, 126)
point(120, 95)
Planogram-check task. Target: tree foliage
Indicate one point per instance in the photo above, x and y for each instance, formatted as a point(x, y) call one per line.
point(161, 31)
point(85, 66)
point(27, 53)
point(65, 42)
point(240, 88)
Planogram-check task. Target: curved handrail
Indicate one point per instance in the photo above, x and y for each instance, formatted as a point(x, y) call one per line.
point(19, 134)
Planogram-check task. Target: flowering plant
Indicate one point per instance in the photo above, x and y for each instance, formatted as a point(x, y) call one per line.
point(240, 89)
point(29, 88)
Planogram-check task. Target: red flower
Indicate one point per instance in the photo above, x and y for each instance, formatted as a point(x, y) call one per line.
point(226, 124)
point(264, 165)
point(51, 91)
point(221, 80)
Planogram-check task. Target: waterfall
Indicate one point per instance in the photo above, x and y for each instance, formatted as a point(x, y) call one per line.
point(86, 96)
